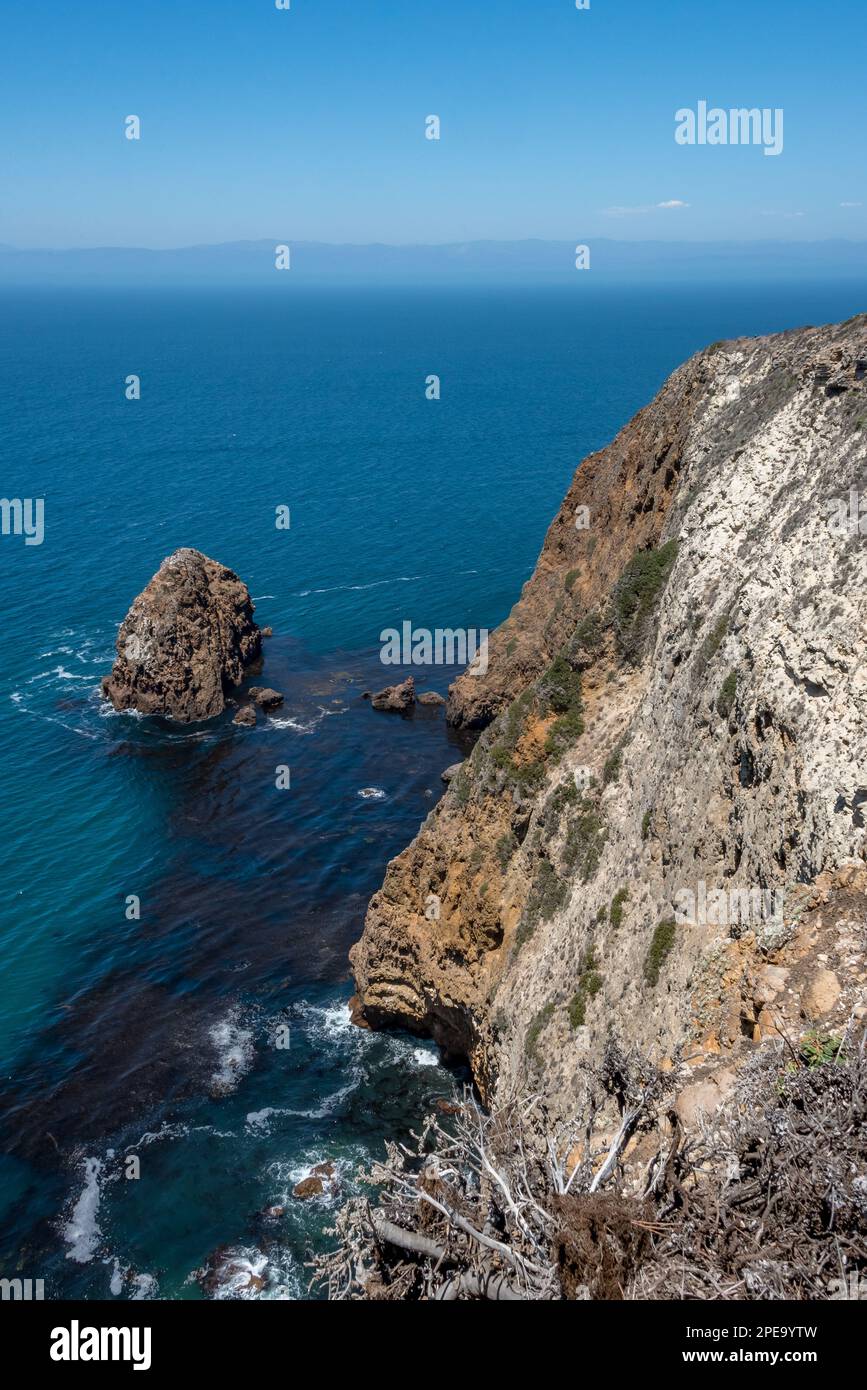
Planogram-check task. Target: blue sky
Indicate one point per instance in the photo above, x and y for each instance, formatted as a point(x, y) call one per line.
point(309, 123)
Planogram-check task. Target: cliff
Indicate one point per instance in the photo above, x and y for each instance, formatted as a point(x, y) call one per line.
point(660, 830)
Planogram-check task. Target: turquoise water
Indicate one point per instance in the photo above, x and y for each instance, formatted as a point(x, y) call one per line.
point(155, 1037)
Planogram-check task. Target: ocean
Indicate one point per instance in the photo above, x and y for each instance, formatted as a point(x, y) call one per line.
point(152, 1131)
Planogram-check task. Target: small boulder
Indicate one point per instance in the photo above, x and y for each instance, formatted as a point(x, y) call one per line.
point(308, 1187)
point(447, 1107)
point(356, 1013)
point(267, 631)
point(246, 715)
point(704, 1096)
point(450, 772)
point(264, 697)
point(430, 697)
point(821, 994)
point(320, 1176)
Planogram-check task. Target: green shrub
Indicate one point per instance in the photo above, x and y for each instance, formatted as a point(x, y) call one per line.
point(663, 940)
point(585, 837)
point(507, 732)
point(564, 795)
point(564, 732)
point(504, 849)
point(645, 824)
point(637, 593)
point(534, 1032)
point(714, 640)
point(560, 687)
point(461, 787)
point(577, 1008)
point(611, 770)
point(615, 915)
point(547, 895)
point(726, 697)
point(588, 633)
point(589, 983)
point(820, 1049)
point(570, 580)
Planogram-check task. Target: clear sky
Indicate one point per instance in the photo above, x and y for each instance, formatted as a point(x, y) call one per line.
point(555, 122)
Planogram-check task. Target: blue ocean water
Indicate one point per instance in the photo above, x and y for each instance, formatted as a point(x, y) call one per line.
point(154, 1037)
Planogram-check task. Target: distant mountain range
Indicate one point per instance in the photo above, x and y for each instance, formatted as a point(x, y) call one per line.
point(533, 261)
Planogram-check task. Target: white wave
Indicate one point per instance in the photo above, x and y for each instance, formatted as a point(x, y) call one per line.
point(335, 1020)
point(140, 1286)
point(235, 1052)
point(178, 1131)
point(60, 673)
point(286, 1174)
point(257, 1120)
point(241, 1273)
point(372, 794)
point(81, 1232)
point(302, 726)
point(108, 711)
point(356, 588)
point(426, 1056)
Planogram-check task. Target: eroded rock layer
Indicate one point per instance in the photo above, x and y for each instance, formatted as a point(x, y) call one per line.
point(676, 706)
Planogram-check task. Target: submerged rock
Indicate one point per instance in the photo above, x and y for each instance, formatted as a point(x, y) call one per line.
point(314, 1185)
point(185, 642)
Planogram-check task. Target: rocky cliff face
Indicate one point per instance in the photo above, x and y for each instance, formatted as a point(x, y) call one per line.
point(674, 727)
point(186, 640)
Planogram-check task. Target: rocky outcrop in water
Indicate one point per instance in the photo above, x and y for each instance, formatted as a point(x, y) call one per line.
point(676, 705)
point(187, 640)
point(397, 698)
point(264, 697)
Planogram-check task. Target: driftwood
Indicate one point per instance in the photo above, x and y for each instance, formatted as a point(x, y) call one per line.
point(768, 1200)
point(469, 1212)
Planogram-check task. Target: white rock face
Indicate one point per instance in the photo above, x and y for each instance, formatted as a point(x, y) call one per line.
point(741, 726)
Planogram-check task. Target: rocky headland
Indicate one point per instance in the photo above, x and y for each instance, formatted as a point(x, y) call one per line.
point(676, 704)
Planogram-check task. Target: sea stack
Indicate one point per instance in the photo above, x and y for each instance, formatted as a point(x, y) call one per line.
point(187, 640)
